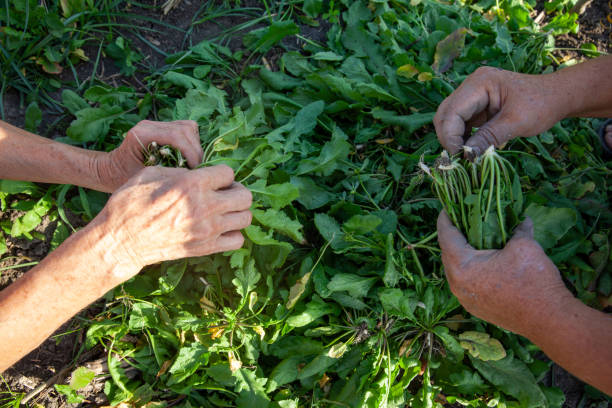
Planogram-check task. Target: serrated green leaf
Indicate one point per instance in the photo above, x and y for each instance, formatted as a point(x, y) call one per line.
point(92, 124)
point(251, 389)
point(280, 222)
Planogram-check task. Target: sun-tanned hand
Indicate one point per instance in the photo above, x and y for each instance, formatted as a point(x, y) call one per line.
point(154, 214)
point(25, 156)
point(505, 105)
point(518, 287)
point(115, 168)
point(159, 214)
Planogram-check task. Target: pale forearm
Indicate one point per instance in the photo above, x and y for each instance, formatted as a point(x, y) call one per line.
point(579, 339)
point(77, 273)
point(585, 90)
point(25, 156)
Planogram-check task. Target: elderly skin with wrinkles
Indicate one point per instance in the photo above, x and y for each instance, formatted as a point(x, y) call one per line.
point(154, 214)
point(519, 288)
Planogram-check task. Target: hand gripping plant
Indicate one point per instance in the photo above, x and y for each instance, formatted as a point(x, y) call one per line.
point(483, 197)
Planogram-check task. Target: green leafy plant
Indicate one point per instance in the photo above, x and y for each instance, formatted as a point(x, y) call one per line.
point(483, 197)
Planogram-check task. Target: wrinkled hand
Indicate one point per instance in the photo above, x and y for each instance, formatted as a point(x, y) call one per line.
point(115, 168)
point(166, 213)
point(502, 104)
point(515, 287)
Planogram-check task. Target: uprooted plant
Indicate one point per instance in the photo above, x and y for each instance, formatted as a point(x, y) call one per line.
point(483, 197)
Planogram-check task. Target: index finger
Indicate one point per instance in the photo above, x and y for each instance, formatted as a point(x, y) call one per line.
point(456, 110)
point(217, 177)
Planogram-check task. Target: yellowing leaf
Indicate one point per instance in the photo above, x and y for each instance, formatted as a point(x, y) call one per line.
point(481, 345)
point(454, 321)
point(259, 330)
point(296, 290)
point(80, 54)
point(337, 350)
point(384, 141)
point(448, 49)
point(216, 332)
point(425, 76)
point(407, 71)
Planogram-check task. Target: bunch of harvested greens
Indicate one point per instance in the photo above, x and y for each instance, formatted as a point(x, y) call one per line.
point(483, 197)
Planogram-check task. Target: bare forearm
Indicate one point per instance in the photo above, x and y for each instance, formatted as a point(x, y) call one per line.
point(25, 156)
point(77, 273)
point(586, 89)
point(579, 339)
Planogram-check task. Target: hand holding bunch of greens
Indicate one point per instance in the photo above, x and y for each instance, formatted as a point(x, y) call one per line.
point(154, 214)
point(518, 287)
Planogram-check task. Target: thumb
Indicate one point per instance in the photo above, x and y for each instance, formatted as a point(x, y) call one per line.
point(496, 132)
point(524, 230)
point(452, 242)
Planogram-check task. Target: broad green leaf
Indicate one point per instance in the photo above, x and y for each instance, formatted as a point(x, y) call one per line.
point(92, 124)
point(329, 229)
point(315, 309)
point(317, 366)
point(172, 273)
point(188, 360)
point(311, 195)
point(263, 39)
point(332, 153)
point(312, 7)
point(362, 224)
point(196, 105)
point(184, 81)
point(73, 102)
point(288, 346)
point(280, 222)
point(284, 373)
point(276, 196)
point(482, 345)
point(143, 315)
point(81, 377)
point(410, 122)
point(33, 116)
point(512, 377)
point(17, 187)
point(278, 80)
point(550, 224)
point(71, 395)
point(304, 122)
point(397, 302)
point(251, 389)
point(357, 286)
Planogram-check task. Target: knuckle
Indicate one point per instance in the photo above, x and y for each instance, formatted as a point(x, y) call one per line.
point(247, 218)
point(239, 241)
point(247, 196)
point(224, 171)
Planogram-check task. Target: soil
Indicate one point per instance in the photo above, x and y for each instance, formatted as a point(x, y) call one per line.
point(594, 28)
point(53, 361)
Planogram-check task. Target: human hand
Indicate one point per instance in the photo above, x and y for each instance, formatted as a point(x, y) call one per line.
point(503, 105)
point(515, 287)
point(167, 213)
point(115, 168)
